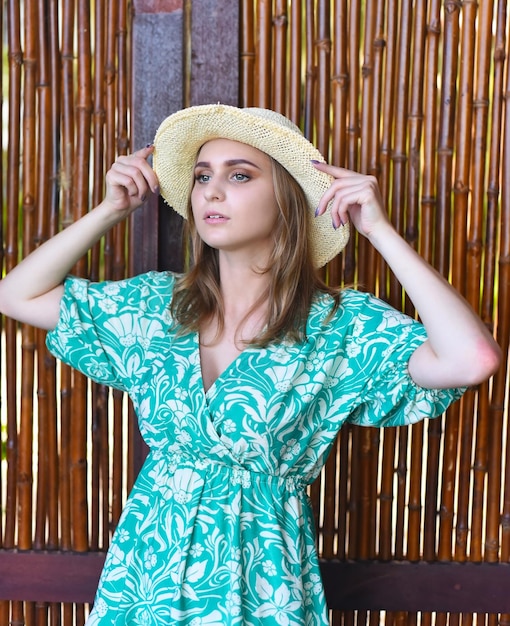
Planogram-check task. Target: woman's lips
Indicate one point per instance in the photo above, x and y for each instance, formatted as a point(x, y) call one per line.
point(214, 218)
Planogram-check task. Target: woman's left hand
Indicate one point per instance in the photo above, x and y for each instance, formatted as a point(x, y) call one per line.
point(353, 196)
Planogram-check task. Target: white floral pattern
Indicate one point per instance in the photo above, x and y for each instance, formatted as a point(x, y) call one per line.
point(218, 528)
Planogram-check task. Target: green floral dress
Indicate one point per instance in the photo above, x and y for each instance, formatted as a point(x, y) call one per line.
point(218, 528)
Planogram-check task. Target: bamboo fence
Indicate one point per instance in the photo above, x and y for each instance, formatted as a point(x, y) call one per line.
point(412, 92)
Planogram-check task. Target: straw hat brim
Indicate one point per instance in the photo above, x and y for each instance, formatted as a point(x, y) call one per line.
point(181, 135)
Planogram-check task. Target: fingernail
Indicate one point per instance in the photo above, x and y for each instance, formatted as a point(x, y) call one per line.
point(317, 211)
point(156, 189)
point(149, 145)
point(314, 161)
point(334, 225)
point(143, 198)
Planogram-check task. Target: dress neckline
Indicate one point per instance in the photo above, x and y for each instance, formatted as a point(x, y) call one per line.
point(231, 366)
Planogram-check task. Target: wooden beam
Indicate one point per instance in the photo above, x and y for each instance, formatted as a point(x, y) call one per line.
point(49, 576)
point(426, 587)
point(350, 586)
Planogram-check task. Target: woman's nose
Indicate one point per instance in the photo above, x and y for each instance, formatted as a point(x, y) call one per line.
point(214, 191)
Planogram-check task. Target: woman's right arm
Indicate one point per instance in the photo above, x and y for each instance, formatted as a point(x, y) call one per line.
point(32, 291)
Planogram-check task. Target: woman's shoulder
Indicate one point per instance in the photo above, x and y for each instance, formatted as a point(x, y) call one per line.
point(357, 307)
point(149, 291)
point(349, 300)
point(154, 280)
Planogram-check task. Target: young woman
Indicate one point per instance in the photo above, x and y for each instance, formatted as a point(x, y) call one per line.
point(243, 369)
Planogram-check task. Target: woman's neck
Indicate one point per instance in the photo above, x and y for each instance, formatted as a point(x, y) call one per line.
point(242, 288)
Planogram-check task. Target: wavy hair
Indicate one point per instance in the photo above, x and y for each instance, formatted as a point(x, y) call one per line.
point(293, 284)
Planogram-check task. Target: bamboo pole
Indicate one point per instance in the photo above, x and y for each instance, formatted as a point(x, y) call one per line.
point(310, 70)
point(354, 495)
point(497, 397)
point(120, 261)
point(415, 137)
point(414, 533)
point(399, 157)
point(367, 259)
point(66, 213)
point(343, 491)
point(47, 364)
point(429, 193)
point(263, 60)
point(44, 163)
point(78, 450)
point(475, 267)
point(322, 57)
point(295, 65)
point(401, 472)
point(329, 504)
point(443, 233)
point(339, 92)
point(497, 162)
point(247, 53)
point(445, 133)
point(101, 84)
point(386, 495)
point(11, 258)
point(279, 57)
point(458, 274)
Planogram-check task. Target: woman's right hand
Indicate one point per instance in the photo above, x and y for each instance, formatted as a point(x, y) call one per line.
point(129, 180)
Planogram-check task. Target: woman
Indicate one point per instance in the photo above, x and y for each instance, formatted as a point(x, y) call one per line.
point(243, 369)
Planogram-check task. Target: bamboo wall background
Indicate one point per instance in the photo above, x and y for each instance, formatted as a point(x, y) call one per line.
point(413, 92)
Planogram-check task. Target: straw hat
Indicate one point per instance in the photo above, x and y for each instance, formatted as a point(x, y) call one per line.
point(181, 135)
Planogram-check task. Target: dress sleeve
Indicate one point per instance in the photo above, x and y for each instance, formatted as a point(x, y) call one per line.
point(383, 340)
point(106, 330)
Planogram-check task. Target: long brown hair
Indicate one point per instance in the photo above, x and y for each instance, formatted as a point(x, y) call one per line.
point(293, 279)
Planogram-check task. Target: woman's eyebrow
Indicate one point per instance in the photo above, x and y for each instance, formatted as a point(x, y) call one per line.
point(229, 163)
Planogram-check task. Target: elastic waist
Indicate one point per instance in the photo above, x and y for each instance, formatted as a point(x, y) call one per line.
point(238, 474)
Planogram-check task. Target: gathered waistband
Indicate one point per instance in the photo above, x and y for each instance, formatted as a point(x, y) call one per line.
point(238, 473)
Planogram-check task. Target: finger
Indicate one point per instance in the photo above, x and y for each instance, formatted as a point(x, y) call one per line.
point(117, 179)
point(355, 186)
point(138, 159)
point(332, 170)
point(135, 174)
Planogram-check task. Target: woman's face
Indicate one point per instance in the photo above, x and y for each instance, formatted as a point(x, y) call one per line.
point(233, 200)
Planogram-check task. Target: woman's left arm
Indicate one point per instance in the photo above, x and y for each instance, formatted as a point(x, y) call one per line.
point(460, 350)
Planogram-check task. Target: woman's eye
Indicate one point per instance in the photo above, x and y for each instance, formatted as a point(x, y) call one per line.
point(240, 177)
point(202, 178)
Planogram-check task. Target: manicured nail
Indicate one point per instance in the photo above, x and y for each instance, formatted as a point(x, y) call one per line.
point(334, 225)
point(149, 145)
point(156, 189)
point(143, 198)
point(317, 211)
point(314, 161)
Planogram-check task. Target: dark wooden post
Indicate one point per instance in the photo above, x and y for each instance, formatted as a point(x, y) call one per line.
point(184, 53)
point(158, 90)
point(214, 27)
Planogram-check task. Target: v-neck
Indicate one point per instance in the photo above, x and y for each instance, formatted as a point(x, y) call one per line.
point(208, 393)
